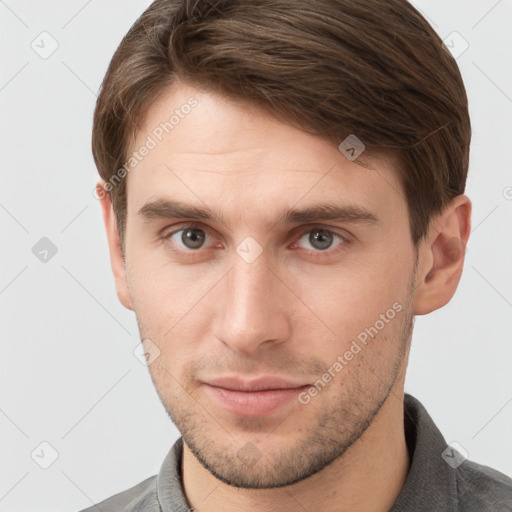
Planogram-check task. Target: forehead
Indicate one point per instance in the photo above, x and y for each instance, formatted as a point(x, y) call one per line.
point(205, 147)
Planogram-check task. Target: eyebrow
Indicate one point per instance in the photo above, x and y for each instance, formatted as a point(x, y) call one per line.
point(170, 209)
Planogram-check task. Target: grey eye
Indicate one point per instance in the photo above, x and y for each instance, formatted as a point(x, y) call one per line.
point(320, 239)
point(191, 238)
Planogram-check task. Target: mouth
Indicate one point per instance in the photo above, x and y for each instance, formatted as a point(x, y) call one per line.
point(252, 398)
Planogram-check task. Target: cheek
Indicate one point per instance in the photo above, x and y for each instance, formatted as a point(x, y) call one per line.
point(159, 286)
point(173, 304)
point(351, 298)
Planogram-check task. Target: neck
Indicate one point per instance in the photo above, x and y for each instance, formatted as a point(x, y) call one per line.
point(368, 476)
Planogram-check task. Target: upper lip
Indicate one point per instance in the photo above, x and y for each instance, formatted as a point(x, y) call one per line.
point(257, 384)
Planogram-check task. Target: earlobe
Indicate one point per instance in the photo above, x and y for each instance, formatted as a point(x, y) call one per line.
point(117, 260)
point(441, 257)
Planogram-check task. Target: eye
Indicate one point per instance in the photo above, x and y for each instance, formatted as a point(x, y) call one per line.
point(320, 239)
point(189, 237)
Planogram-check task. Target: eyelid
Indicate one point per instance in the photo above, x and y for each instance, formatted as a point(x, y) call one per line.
point(170, 230)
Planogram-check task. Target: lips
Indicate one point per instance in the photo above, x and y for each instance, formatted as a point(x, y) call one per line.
point(259, 384)
point(256, 397)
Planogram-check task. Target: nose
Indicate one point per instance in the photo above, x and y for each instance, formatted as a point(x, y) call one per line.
point(252, 310)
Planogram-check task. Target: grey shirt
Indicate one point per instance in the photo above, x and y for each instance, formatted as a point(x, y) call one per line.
point(439, 479)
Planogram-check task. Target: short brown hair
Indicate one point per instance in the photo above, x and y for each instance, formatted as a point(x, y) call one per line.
point(373, 68)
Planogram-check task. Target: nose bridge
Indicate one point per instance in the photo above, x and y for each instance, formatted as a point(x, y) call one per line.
point(250, 312)
point(249, 282)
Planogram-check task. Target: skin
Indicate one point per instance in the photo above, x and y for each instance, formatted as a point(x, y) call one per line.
point(289, 313)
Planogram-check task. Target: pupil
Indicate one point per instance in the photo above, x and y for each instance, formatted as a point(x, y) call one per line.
point(193, 238)
point(320, 239)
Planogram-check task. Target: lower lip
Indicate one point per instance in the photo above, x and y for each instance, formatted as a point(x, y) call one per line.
point(253, 403)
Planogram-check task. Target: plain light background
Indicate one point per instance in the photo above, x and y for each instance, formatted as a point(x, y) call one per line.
point(68, 373)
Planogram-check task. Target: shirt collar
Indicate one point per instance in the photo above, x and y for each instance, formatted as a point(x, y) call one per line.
point(431, 483)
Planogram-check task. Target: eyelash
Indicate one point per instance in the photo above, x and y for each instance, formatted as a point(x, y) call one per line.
point(345, 239)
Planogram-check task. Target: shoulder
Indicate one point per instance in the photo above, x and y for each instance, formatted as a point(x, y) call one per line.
point(142, 496)
point(481, 488)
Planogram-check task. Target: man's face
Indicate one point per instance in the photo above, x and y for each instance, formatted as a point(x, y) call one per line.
point(252, 299)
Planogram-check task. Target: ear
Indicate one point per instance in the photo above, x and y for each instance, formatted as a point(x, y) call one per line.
point(117, 260)
point(441, 256)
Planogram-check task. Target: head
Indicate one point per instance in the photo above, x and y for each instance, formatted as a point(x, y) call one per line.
point(282, 186)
